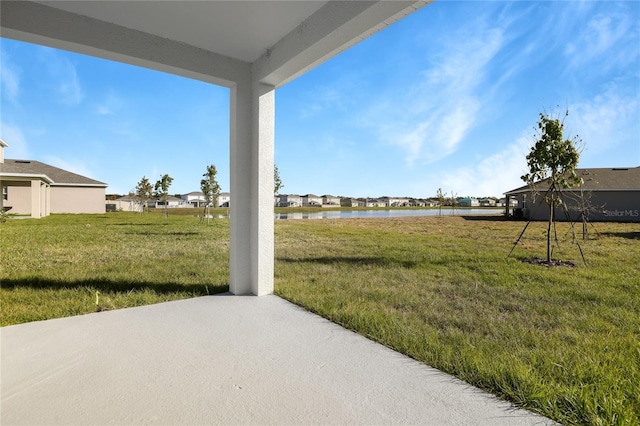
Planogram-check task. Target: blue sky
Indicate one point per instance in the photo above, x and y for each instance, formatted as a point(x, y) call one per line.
point(446, 98)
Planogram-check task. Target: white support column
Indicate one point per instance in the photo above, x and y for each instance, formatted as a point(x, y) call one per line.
point(43, 199)
point(36, 197)
point(47, 208)
point(252, 147)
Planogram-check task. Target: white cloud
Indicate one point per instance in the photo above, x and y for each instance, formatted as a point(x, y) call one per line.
point(429, 123)
point(18, 148)
point(607, 38)
point(606, 121)
point(455, 123)
point(63, 76)
point(493, 175)
point(9, 77)
point(70, 91)
point(310, 111)
point(323, 99)
point(111, 104)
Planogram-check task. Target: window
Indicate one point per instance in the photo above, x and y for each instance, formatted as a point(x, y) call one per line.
point(5, 192)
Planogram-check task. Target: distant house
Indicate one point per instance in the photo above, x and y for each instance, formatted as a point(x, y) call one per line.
point(385, 201)
point(468, 202)
point(289, 200)
point(224, 199)
point(606, 194)
point(311, 200)
point(330, 200)
point(38, 189)
point(172, 203)
point(487, 202)
point(394, 202)
point(194, 198)
point(126, 204)
point(351, 202)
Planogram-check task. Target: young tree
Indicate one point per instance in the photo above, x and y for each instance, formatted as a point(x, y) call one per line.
point(161, 190)
point(210, 188)
point(277, 182)
point(552, 159)
point(143, 192)
point(440, 198)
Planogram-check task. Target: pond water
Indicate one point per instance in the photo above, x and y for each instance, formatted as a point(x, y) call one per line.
point(350, 214)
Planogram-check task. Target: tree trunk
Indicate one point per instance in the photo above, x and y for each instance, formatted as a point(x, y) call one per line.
point(549, 230)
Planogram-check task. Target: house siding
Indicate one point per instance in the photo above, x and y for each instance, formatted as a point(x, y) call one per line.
point(601, 206)
point(606, 194)
point(18, 197)
point(77, 200)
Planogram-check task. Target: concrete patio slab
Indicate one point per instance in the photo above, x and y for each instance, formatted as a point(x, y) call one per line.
point(225, 360)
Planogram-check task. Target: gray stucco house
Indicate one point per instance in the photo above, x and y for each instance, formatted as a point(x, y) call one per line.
point(606, 195)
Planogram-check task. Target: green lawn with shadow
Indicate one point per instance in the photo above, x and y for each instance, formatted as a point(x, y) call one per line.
point(67, 265)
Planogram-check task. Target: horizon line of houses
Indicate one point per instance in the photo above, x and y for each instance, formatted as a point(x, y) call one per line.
point(311, 200)
point(196, 199)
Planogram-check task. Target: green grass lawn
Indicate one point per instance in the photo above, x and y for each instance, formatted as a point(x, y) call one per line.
point(564, 341)
point(56, 266)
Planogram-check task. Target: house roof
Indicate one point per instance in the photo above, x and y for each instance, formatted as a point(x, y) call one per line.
point(57, 176)
point(598, 179)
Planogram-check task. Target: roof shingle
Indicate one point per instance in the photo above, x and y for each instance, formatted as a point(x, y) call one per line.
point(57, 175)
point(599, 179)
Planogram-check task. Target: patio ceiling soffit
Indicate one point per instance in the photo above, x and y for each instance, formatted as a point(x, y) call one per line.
point(333, 28)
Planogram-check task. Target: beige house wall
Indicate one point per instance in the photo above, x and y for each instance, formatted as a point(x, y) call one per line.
point(37, 200)
point(125, 205)
point(66, 199)
point(18, 197)
point(32, 197)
